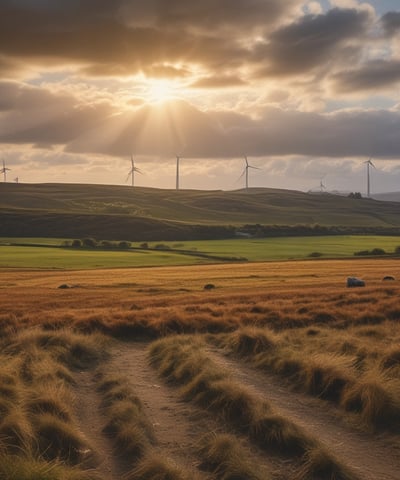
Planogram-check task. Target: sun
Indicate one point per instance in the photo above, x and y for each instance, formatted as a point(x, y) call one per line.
point(161, 90)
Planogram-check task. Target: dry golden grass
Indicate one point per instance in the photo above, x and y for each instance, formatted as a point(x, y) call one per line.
point(227, 458)
point(38, 430)
point(296, 319)
point(212, 388)
point(160, 301)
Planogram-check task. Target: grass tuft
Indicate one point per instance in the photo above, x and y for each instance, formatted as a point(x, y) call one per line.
point(371, 399)
point(251, 341)
point(227, 459)
point(14, 467)
point(58, 440)
point(321, 465)
point(154, 467)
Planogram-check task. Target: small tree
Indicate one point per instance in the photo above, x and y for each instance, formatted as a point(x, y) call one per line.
point(76, 243)
point(124, 245)
point(355, 195)
point(89, 242)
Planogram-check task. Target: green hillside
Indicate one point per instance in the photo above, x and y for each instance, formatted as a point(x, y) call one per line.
point(107, 211)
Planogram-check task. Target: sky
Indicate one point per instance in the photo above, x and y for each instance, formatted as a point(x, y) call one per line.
point(307, 90)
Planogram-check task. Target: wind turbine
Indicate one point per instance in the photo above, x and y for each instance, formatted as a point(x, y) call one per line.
point(246, 171)
point(177, 171)
point(4, 171)
point(132, 172)
point(322, 187)
point(369, 164)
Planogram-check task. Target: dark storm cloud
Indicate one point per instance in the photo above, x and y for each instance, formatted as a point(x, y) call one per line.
point(206, 15)
point(375, 75)
point(391, 22)
point(312, 41)
point(123, 37)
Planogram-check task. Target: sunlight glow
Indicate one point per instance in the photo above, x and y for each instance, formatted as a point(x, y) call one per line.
point(161, 89)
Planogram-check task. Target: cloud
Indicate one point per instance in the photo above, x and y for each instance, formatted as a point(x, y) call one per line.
point(223, 81)
point(207, 15)
point(35, 115)
point(311, 42)
point(38, 116)
point(125, 37)
point(391, 23)
point(374, 75)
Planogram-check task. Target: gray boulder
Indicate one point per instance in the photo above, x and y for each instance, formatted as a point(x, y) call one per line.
point(355, 282)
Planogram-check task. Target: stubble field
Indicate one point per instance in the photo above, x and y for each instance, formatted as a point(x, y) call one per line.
point(275, 371)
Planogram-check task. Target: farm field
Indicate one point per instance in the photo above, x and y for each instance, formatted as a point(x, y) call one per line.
point(45, 253)
point(275, 371)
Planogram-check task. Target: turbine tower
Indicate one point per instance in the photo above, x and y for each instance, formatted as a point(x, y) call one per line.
point(246, 171)
point(177, 171)
point(369, 164)
point(4, 171)
point(132, 172)
point(322, 187)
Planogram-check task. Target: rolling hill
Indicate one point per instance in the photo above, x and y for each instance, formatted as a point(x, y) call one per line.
point(120, 212)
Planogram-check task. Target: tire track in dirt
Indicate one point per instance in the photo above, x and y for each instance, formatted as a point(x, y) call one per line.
point(180, 425)
point(367, 455)
point(91, 422)
point(177, 425)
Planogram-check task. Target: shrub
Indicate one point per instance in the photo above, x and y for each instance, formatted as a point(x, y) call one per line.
point(76, 243)
point(107, 244)
point(378, 251)
point(124, 245)
point(89, 242)
point(315, 254)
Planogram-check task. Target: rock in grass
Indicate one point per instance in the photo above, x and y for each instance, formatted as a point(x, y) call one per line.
point(355, 282)
point(64, 286)
point(388, 278)
point(209, 286)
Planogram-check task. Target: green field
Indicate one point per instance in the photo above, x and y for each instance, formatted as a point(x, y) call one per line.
point(50, 255)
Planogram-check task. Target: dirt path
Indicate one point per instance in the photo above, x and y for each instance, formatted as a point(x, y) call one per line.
point(368, 456)
point(91, 422)
point(177, 425)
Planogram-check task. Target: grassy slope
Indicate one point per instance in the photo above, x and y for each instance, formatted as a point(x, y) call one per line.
point(265, 249)
point(266, 206)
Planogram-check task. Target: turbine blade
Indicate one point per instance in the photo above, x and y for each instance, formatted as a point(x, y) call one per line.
point(243, 173)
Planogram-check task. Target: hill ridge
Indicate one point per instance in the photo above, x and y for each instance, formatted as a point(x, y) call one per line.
point(110, 211)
